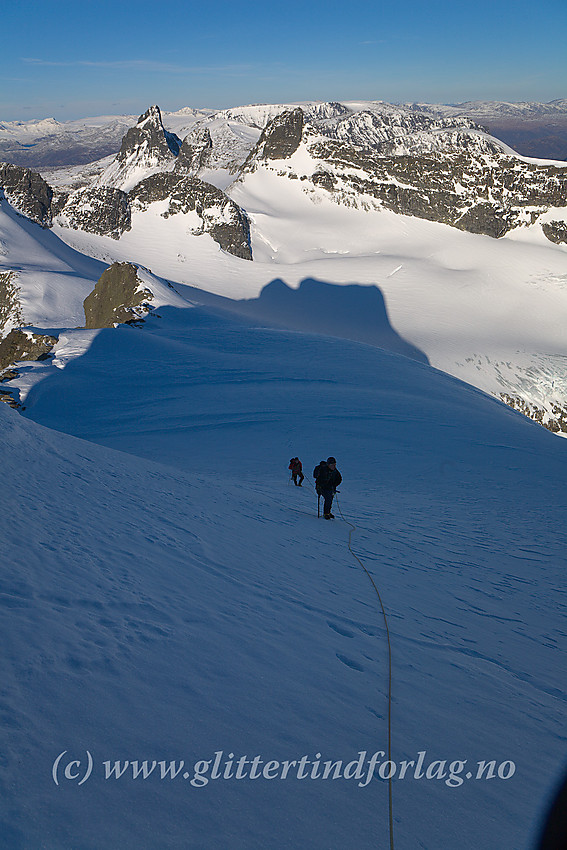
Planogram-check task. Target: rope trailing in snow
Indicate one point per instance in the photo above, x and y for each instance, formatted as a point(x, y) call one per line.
point(390, 790)
point(390, 801)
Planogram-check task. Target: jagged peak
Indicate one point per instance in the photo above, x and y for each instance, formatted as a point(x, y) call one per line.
point(152, 114)
point(146, 147)
point(195, 149)
point(281, 136)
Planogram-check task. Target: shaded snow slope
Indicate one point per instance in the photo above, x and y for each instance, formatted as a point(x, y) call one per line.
point(490, 312)
point(177, 610)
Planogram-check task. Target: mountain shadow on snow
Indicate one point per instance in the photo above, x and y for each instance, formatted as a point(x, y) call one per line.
point(353, 312)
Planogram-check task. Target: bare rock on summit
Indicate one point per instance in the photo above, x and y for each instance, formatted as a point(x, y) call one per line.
point(27, 192)
point(194, 151)
point(146, 148)
point(118, 297)
point(149, 134)
point(281, 136)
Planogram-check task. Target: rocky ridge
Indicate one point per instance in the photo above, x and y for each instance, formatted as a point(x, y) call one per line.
point(146, 148)
point(414, 165)
point(20, 345)
point(556, 231)
point(27, 192)
point(442, 168)
point(554, 420)
point(101, 210)
point(155, 166)
point(218, 215)
point(11, 313)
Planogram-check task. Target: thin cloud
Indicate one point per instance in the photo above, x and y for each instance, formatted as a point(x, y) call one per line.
point(140, 65)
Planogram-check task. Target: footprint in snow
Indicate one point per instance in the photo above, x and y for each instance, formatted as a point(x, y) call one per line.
point(340, 630)
point(350, 663)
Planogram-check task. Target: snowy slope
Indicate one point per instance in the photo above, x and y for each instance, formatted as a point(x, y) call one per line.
point(52, 279)
point(169, 595)
point(175, 610)
point(491, 312)
point(488, 311)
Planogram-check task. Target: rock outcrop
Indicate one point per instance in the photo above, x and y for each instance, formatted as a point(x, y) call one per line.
point(444, 169)
point(147, 147)
point(11, 314)
point(149, 134)
point(556, 231)
point(100, 210)
point(281, 137)
point(473, 192)
point(194, 151)
point(119, 297)
point(415, 165)
point(219, 216)
point(25, 344)
point(555, 421)
point(27, 192)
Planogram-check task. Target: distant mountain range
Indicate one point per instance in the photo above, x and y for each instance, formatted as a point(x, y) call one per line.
point(331, 192)
point(532, 129)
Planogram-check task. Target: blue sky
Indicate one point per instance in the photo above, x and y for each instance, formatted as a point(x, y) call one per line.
point(90, 57)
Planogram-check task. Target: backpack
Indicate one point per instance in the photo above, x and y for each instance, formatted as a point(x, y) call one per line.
point(321, 474)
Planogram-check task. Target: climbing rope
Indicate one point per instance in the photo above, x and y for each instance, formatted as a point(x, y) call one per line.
point(390, 800)
point(355, 556)
point(390, 789)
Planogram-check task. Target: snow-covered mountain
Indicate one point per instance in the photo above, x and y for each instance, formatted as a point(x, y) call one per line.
point(146, 149)
point(533, 129)
point(169, 596)
point(344, 193)
point(539, 128)
point(492, 110)
point(49, 143)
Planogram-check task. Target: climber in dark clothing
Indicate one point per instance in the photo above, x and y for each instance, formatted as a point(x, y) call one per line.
point(327, 479)
point(296, 471)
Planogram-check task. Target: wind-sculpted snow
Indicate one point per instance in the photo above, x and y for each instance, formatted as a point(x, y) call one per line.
point(178, 600)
